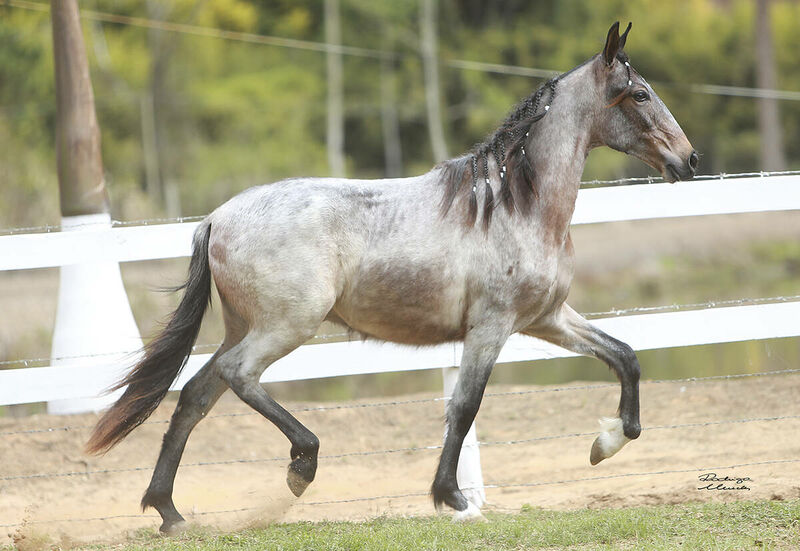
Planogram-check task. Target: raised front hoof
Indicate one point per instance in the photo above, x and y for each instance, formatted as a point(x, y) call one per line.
point(300, 474)
point(173, 527)
point(609, 442)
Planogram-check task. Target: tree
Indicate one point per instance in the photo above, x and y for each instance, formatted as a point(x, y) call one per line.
point(769, 122)
point(431, 69)
point(80, 166)
point(333, 36)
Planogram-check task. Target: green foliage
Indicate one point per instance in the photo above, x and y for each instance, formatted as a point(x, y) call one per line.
point(234, 114)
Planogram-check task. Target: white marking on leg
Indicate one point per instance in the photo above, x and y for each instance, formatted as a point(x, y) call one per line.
point(471, 513)
point(610, 441)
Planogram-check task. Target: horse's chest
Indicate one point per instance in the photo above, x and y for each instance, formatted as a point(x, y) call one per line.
point(542, 287)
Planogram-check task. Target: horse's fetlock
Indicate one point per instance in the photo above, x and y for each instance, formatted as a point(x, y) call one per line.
point(307, 449)
point(632, 430)
point(447, 493)
point(155, 499)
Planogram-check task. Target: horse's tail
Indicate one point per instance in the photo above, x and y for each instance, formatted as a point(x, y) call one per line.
point(164, 356)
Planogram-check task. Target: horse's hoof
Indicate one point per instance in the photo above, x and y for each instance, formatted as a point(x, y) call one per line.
point(300, 474)
point(610, 441)
point(297, 484)
point(173, 528)
point(470, 514)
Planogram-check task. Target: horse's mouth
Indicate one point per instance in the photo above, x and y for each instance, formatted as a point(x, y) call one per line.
point(672, 174)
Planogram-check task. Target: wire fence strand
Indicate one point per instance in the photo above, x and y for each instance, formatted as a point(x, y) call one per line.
point(494, 485)
point(128, 355)
point(326, 47)
point(49, 228)
point(368, 453)
point(418, 401)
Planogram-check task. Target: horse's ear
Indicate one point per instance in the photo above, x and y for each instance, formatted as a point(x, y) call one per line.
point(612, 44)
point(624, 37)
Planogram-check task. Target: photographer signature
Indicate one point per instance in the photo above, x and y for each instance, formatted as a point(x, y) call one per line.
point(723, 483)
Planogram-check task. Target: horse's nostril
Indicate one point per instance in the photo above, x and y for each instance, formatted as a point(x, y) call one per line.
point(694, 159)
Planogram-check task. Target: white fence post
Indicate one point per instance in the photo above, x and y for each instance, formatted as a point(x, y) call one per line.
point(469, 474)
point(93, 321)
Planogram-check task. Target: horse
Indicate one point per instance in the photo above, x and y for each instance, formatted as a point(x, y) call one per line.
point(476, 249)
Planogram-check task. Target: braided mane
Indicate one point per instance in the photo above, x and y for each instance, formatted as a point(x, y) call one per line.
point(507, 145)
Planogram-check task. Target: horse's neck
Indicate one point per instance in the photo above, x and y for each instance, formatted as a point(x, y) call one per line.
point(558, 154)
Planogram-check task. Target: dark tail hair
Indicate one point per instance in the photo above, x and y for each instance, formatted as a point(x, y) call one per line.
point(164, 356)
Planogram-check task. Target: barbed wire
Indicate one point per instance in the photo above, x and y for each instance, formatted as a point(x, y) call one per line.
point(50, 228)
point(497, 485)
point(367, 453)
point(327, 47)
point(701, 178)
point(494, 485)
point(614, 312)
point(127, 355)
point(417, 401)
point(690, 306)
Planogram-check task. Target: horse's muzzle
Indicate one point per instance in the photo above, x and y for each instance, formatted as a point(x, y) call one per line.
point(684, 171)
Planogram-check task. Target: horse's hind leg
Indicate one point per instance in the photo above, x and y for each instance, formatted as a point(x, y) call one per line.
point(242, 372)
point(571, 331)
point(196, 399)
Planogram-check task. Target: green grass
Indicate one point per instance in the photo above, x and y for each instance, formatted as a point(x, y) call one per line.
point(710, 526)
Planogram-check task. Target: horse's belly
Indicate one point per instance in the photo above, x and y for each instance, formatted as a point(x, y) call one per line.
point(404, 326)
point(410, 306)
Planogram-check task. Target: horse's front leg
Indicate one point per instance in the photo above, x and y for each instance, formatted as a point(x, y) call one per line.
point(570, 330)
point(482, 345)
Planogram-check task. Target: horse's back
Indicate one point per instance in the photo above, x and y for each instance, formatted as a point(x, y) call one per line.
point(295, 245)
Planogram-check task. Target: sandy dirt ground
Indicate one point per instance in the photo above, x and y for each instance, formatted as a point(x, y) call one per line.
point(233, 470)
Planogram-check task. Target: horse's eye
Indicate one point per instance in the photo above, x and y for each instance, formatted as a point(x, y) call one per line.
point(641, 96)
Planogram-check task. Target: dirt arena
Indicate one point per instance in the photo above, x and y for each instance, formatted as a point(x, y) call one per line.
point(228, 465)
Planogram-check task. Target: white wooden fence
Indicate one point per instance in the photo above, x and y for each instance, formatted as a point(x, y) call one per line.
point(606, 204)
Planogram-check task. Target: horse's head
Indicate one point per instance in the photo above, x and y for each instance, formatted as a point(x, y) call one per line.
point(632, 118)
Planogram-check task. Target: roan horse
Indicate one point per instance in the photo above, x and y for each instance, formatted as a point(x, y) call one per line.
point(435, 258)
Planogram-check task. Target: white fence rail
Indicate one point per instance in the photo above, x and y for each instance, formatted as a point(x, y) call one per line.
point(609, 204)
point(642, 332)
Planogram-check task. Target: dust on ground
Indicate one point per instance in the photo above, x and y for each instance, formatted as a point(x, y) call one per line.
point(233, 471)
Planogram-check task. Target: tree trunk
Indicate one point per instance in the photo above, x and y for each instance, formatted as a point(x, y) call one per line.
point(333, 36)
point(392, 149)
point(94, 324)
point(769, 123)
point(78, 159)
point(431, 70)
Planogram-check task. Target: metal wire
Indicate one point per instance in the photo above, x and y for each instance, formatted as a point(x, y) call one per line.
point(33, 362)
point(625, 475)
point(554, 482)
point(702, 177)
point(413, 449)
point(463, 64)
point(393, 403)
point(47, 228)
point(694, 306)
point(495, 485)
